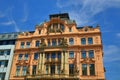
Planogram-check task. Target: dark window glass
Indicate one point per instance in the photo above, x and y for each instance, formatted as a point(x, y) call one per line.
point(92, 69)
point(35, 56)
point(47, 69)
point(22, 45)
point(83, 41)
point(1, 52)
point(24, 70)
point(70, 29)
point(90, 41)
point(71, 69)
point(71, 54)
point(59, 55)
point(37, 43)
point(28, 45)
point(58, 42)
point(91, 53)
point(34, 69)
point(47, 56)
point(52, 69)
point(20, 56)
point(6, 63)
point(84, 69)
point(53, 55)
point(48, 42)
point(62, 27)
point(17, 70)
point(26, 57)
point(71, 41)
point(53, 42)
point(83, 54)
point(58, 69)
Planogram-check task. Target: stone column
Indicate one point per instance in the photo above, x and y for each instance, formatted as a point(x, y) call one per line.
point(43, 61)
point(88, 69)
point(66, 63)
point(40, 64)
point(62, 59)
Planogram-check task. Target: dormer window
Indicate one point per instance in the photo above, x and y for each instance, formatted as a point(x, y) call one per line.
point(39, 32)
point(70, 29)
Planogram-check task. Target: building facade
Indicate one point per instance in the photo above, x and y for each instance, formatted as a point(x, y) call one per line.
point(7, 42)
point(59, 50)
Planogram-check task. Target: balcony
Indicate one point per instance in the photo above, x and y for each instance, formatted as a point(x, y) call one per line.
point(53, 77)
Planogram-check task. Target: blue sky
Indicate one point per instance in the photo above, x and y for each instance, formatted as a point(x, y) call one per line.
point(23, 15)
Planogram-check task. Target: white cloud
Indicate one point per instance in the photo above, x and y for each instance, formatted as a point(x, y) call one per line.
point(84, 10)
point(111, 53)
point(25, 13)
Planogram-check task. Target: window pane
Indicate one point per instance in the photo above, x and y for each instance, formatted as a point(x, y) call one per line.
point(37, 43)
point(48, 42)
point(59, 55)
point(47, 56)
point(83, 41)
point(71, 68)
point(71, 54)
point(17, 70)
point(6, 63)
point(90, 41)
point(34, 70)
point(20, 56)
point(22, 45)
point(84, 69)
point(24, 69)
point(28, 45)
point(92, 69)
point(71, 41)
point(26, 57)
point(35, 56)
point(53, 42)
point(53, 55)
point(83, 54)
point(70, 29)
point(58, 69)
point(47, 69)
point(91, 54)
point(52, 69)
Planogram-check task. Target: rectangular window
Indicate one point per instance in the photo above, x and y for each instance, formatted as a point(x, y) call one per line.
point(6, 63)
point(90, 41)
point(24, 69)
point(1, 52)
point(59, 55)
point(91, 53)
point(0, 63)
point(34, 69)
point(47, 69)
point(26, 57)
point(48, 42)
point(84, 69)
point(83, 41)
point(52, 69)
point(58, 69)
point(92, 69)
point(58, 42)
point(37, 43)
point(47, 56)
point(71, 54)
point(54, 42)
point(71, 41)
point(28, 45)
point(20, 56)
point(22, 45)
point(2, 76)
point(70, 29)
point(53, 56)
point(36, 56)
point(8, 52)
point(83, 54)
point(71, 69)
point(17, 70)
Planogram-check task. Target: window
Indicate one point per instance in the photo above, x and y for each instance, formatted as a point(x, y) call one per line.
point(24, 69)
point(20, 56)
point(71, 54)
point(28, 45)
point(17, 70)
point(35, 56)
point(83, 41)
point(26, 57)
point(83, 54)
point(52, 69)
point(37, 43)
point(53, 55)
point(33, 69)
point(91, 53)
point(71, 69)
point(47, 56)
point(58, 69)
point(62, 27)
point(2, 76)
point(39, 31)
point(70, 29)
point(0, 63)
point(92, 69)
point(90, 41)
point(47, 69)
point(71, 41)
point(58, 42)
point(84, 69)
point(6, 63)
point(22, 45)
point(1, 52)
point(7, 52)
point(48, 42)
point(59, 55)
point(53, 42)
